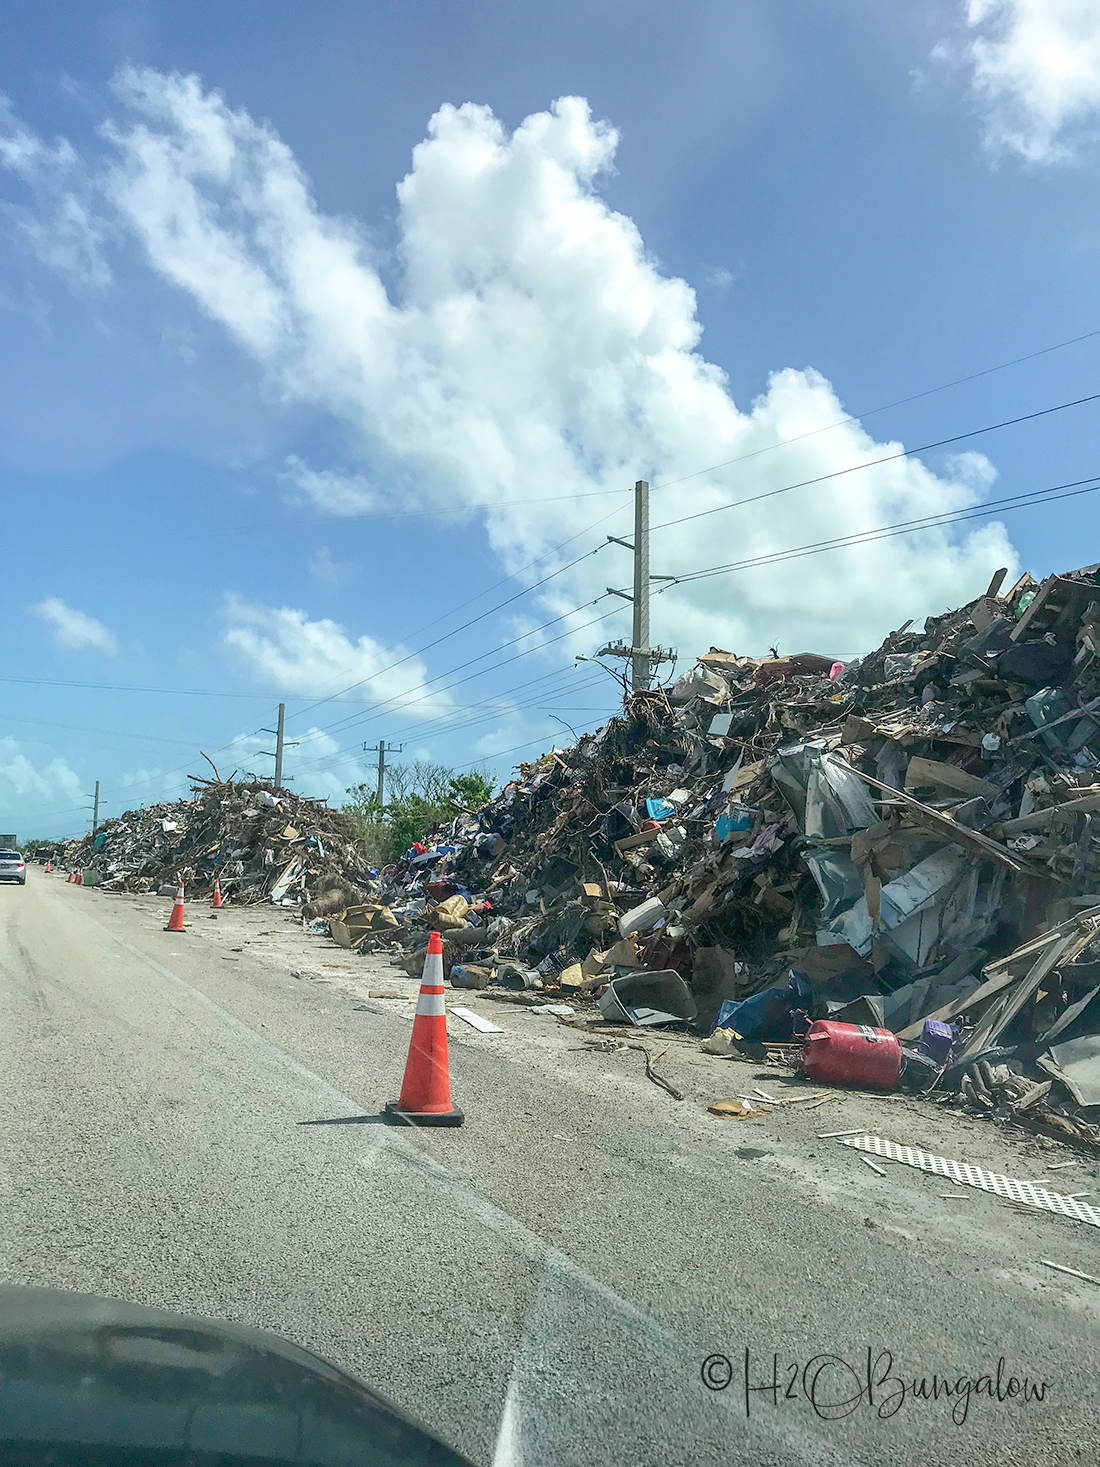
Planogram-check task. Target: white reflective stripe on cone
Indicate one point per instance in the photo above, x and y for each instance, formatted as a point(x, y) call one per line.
point(433, 970)
point(431, 1005)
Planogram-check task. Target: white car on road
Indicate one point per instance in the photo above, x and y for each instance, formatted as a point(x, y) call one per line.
point(12, 867)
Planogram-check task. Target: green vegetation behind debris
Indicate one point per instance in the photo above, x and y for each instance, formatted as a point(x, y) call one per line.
point(420, 795)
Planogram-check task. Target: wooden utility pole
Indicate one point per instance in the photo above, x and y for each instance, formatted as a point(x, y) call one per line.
point(95, 814)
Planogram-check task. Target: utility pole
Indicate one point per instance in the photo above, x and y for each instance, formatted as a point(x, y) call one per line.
point(280, 745)
point(639, 664)
point(641, 655)
point(380, 749)
point(95, 816)
point(279, 748)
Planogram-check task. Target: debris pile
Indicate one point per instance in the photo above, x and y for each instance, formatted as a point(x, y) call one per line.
point(261, 844)
point(913, 833)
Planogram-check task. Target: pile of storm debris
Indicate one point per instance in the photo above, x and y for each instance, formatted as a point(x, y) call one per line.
point(912, 833)
point(259, 843)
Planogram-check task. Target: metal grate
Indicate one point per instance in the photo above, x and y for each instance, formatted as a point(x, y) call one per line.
point(1010, 1188)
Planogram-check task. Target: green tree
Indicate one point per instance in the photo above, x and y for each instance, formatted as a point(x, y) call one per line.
point(422, 794)
point(472, 791)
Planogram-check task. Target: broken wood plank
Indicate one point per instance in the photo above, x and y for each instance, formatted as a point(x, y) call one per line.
point(947, 776)
point(1076, 1273)
point(1035, 944)
point(1059, 601)
point(1032, 1094)
point(857, 730)
point(339, 933)
point(630, 842)
point(993, 589)
point(1086, 710)
point(1069, 946)
point(1038, 818)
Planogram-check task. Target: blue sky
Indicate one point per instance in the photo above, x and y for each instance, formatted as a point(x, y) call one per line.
point(330, 329)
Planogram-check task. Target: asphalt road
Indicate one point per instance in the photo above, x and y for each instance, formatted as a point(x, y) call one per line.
point(541, 1286)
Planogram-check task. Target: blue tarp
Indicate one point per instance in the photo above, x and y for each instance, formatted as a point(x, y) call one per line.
point(660, 809)
point(768, 1014)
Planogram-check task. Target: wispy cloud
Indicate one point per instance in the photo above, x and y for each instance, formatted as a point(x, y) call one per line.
point(62, 224)
point(718, 277)
point(329, 490)
point(75, 629)
point(324, 567)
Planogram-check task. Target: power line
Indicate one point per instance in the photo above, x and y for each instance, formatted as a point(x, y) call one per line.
point(505, 579)
point(110, 733)
point(905, 527)
point(493, 504)
point(559, 675)
point(902, 527)
point(373, 707)
point(402, 700)
point(459, 727)
point(551, 641)
point(870, 413)
point(875, 462)
point(538, 739)
point(49, 682)
point(973, 376)
point(453, 633)
point(552, 681)
point(956, 438)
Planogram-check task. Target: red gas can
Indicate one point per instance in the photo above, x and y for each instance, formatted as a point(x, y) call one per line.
point(852, 1054)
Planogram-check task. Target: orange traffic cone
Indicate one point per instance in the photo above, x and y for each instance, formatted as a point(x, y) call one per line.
point(47, 868)
point(426, 1090)
point(216, 899)
point(80, 878)
point(175, 921)
point(70, 876)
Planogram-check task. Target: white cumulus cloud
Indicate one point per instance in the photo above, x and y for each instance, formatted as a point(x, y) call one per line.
point(531, 348)
point(37, 800)
point(75, 629)
point(313, 659)
point(1035, 67)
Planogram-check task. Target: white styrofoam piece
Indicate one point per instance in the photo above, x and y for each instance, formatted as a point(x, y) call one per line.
point(475, 1021)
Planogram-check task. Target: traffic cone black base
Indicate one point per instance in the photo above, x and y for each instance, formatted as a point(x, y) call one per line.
point(452, 1117)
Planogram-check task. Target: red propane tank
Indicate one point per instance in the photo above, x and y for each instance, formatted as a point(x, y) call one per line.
point(852, 1054)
